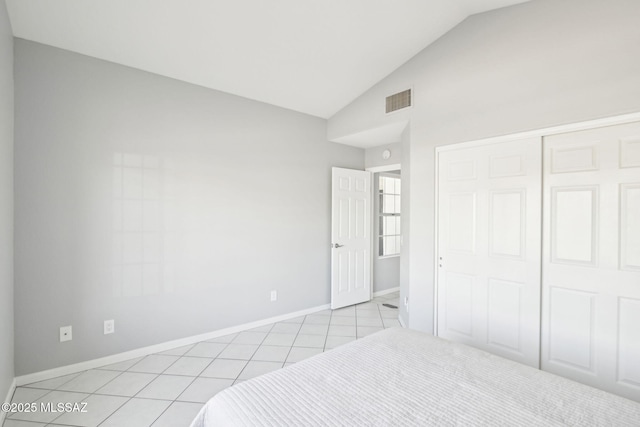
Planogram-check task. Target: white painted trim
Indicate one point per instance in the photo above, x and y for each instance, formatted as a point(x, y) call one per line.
point(571, 127)
point(12, 389)
point(386, 291)
point(436, 252)
point(401, 322)
point(389, 256)
point(385, 168)
point(145, 351)
point(372, 230)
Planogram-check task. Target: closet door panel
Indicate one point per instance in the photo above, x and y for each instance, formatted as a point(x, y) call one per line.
point(574, 225)
point(505, 311)
point(591, 257)
point(571, 334)
point(489, 245)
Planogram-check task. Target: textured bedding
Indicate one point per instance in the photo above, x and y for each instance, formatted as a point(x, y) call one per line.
point(399, 377)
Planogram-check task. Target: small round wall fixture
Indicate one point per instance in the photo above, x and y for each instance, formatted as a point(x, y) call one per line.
point(386, 154)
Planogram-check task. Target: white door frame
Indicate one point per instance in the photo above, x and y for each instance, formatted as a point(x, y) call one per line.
point(374, 216)
point(589, 124)
point(386, 168)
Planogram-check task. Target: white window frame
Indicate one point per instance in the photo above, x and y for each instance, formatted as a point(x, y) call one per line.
point(380, 215)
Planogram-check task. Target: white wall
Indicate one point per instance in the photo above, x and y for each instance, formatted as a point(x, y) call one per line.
point(405, 207)
point(373, 155)
point(534, 65)
point(171, 208)
point(6, 202)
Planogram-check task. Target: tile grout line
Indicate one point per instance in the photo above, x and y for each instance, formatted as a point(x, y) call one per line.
point(49, 392)
point(32, 388)
point(163, 372)
point(294, 340)
point(252, 354)
point(173, 401)
point(157, 375)
point(124, 403)
point(326, 337)
point(128, 398)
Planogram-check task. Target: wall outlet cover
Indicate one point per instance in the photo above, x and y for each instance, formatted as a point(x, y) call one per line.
point(274, 296)
point(65, 334)
point(109, 326)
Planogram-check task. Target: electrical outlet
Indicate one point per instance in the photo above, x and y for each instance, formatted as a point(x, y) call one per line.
point(109, 326)
point(406, 304)
point(65, 334)
point(274, 296)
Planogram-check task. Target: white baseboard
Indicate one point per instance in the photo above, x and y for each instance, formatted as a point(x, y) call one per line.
point(386, 291)
point(145, 351)
point(7, 399)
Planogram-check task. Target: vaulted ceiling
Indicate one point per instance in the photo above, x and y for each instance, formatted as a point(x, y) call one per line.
point(312, 56)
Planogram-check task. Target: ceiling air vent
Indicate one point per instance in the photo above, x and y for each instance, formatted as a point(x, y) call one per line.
point(398, 101)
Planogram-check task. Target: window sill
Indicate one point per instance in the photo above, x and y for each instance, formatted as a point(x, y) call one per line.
point(389, 256)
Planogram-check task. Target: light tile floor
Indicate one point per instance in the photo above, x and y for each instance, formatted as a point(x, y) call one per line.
point(169, 388)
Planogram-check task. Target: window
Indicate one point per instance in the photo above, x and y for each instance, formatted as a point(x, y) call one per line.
point(389, 216)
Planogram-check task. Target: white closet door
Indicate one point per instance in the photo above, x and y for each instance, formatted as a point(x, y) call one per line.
point(489, 230)
point(591, 257)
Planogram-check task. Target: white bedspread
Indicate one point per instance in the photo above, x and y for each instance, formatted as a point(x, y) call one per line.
point(400, 377)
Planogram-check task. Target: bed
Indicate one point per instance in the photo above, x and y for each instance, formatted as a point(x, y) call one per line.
point(399, 377)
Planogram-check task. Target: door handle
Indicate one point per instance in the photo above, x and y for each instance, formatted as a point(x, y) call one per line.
point(335, 245)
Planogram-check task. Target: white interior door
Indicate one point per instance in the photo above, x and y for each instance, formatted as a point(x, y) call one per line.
point(489, 226)
point(350, 237)
point(591, 258)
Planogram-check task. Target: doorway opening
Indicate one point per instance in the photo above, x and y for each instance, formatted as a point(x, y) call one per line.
point(387, 234)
